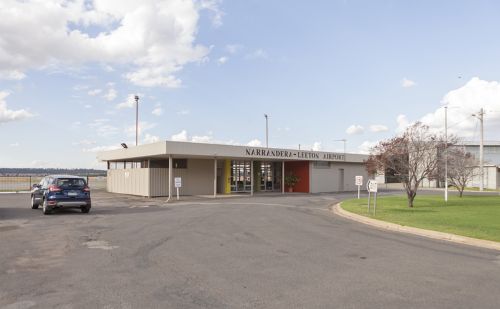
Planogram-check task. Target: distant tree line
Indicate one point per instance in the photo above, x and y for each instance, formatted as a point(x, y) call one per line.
point(50, 171)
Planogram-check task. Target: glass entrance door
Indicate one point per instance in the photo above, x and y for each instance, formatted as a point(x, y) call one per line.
point(267, 175)
point(270, 176)
point(240, 176)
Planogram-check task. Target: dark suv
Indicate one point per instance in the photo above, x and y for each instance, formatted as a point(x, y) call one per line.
point(61, 191)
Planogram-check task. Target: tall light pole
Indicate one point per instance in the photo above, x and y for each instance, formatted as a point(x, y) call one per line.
point(446, 153)
point(480, 116)
point(341, 140)
point(267, 130)
point(136, 120)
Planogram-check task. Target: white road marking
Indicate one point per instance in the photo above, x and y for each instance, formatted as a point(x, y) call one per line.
point(99, 244)
point(24, 304)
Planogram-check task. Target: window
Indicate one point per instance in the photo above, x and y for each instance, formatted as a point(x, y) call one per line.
point(177, 163)
point(180, 163)
point(116, 165)
point(70, 182)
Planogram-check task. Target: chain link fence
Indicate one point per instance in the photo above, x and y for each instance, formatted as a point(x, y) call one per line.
point(24, 183)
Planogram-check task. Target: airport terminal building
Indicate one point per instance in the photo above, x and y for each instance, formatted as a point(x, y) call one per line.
point(210, 169)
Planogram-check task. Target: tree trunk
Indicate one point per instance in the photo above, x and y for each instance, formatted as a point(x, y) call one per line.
point(461, 192)
point(411, 197)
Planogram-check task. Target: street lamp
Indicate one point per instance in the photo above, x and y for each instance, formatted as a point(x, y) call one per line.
point(136, 120)
point(446, 153)
point(480, 116)
point(267, 130)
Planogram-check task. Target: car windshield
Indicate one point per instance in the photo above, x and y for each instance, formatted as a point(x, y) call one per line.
point(70, 182)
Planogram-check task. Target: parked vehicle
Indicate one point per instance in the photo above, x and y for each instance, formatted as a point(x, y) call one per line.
point(61, 191)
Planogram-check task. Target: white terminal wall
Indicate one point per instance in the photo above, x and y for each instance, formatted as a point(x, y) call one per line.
point(197, 179)
point(328, 179)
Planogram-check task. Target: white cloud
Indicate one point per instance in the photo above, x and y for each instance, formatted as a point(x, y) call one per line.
point(11, 74)
point(94, 92)
point(143, 127)
point(465, 101)
point(207, 139)
point(16, 144)
point(87, 106)
point(183, 136)
point(355, 129)
point(101, 148)
point(180, 137)
point(316, 146)
point(41, 164)
point(254, 143)
point(102, 127)
point(378, 128)
point(222, 60)
point(111, 94)
point(128, 103)
point(84, 142)
point(366, 146)
point(258, 54)
point(233, 48)
point(403, 123)
point(80, 87)
point(214, 7)
point(155, 38)
point(7, 115)
point(407, 83)
point(157, 111)
point(148, 138)
point(183, 112)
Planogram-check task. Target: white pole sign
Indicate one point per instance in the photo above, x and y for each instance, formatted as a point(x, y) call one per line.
point(178, 184)
point(359, 183)
point(372, 187)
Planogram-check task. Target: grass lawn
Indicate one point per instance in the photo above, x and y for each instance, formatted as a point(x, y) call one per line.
point(473, 216)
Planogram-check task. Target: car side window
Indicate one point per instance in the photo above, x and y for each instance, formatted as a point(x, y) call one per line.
point(43, 182)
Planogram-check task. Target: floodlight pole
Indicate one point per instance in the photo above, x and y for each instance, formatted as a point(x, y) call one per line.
point(136, 120)
point(267, 130)
point(446, 153)
point(480, 116)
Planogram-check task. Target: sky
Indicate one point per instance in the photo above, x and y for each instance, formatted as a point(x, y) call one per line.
point(208, 71)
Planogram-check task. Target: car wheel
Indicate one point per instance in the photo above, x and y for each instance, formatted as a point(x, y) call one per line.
point(85, 209)
point(46, 208)
point(34, 205)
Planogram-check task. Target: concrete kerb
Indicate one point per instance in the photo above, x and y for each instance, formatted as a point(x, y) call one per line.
point(488, 244)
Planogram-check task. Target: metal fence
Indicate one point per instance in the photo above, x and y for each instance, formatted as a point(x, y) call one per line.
point(24, 183)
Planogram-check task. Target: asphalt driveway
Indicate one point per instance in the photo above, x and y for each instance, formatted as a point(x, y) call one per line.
point(261, 252)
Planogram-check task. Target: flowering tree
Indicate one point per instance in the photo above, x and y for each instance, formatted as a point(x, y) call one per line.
point(411, 157)
point(460, 168)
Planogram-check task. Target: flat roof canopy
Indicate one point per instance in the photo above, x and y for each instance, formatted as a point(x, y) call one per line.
point(165, 149)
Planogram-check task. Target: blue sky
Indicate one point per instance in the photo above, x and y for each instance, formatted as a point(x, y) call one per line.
point(208, 70)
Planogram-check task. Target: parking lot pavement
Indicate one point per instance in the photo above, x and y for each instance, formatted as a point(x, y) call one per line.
point(260, 252)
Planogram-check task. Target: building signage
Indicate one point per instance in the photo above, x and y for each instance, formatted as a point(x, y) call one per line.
point(178, 182)
point(293, 154)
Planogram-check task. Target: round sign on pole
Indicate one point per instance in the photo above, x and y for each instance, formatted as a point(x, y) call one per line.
point(371, 186)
